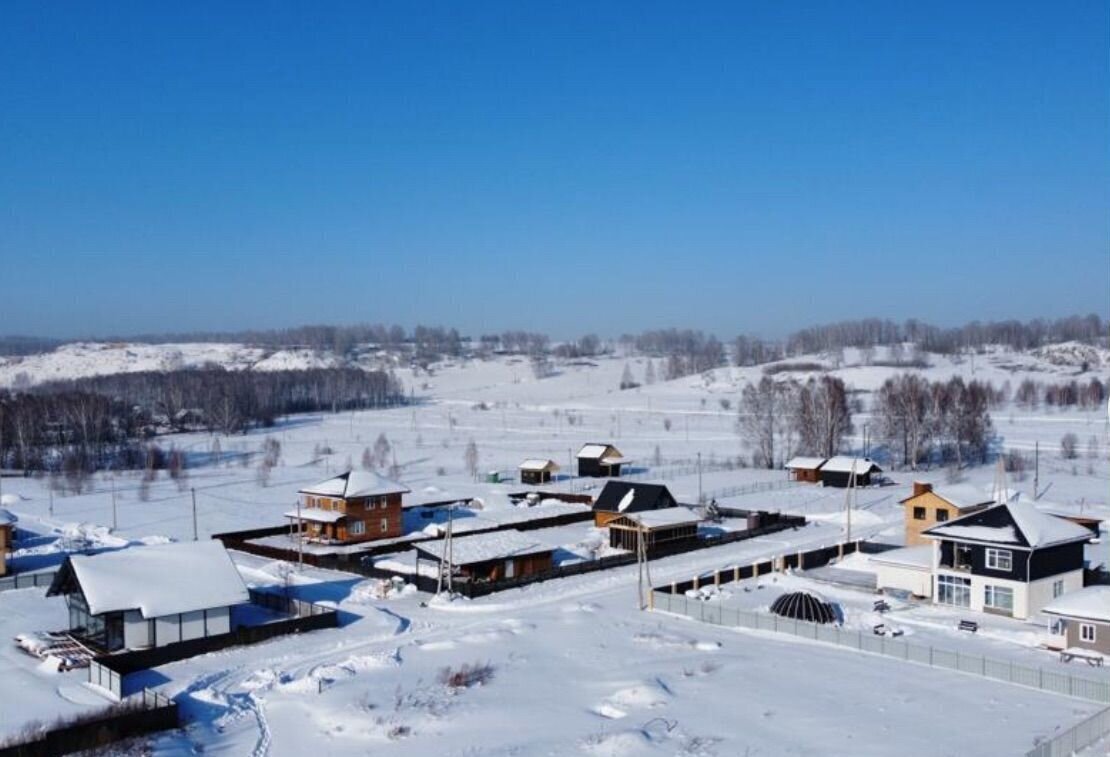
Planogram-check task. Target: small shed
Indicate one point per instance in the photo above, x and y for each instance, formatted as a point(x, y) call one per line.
point(536, 471)
point(622, 497)
point(837, 471)
point(150, 596)
point(659, 527)
point(7, 531)
point(491, 556)
point(805, 468)
point(600, 461)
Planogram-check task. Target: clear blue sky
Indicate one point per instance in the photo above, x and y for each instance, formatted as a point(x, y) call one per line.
point(567, 167)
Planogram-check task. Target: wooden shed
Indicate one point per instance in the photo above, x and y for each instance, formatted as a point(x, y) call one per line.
point(600, 461)
point(491, 556)
point(620, 497)
point(7, 533)
point(659, 527)
point(837, 471)
point(537, 471)
point(805, 468)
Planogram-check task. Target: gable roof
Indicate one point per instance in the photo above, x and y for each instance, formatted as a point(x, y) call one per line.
point(1014, 523)
point(669, 516)
point(535, 464)
point(804, 463)
point(595, 451)
point(960, 496)
point(496, 545)
point(843, 464)
point(356, 483)
point(157, 580)
point(1091, 603)
point(626, 496)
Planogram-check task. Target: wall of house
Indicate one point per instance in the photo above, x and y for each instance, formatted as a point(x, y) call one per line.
point(933, 505)
point(1054, 560)
point(977, 556)
point(1101, 644)
point(1029, 598)
point(137, 631)
point(5, 547)
point(917, 581)
point(840, 480)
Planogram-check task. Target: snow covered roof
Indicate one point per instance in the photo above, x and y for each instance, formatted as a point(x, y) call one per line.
point(804, 463)
point(496, 545)
point(843, 464)
point(317, 515)
point(960, 496)
point(7, 518)
point(1021, 524)
point(597, 451)
point(909, 557)
point(356, 483)
point(1092, 603)
point(158, 580)
point(670, 516)
point(539, 465)
point(614, 460)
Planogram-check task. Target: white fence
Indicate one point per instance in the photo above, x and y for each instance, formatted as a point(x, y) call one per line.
point(1005, 671)
point(27, 580)
point(1081, 736)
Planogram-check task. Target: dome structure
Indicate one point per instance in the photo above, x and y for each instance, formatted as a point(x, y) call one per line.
point(804, 605)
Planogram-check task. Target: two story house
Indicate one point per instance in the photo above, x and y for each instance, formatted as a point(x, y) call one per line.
point(352, 507)
point(1009, 559)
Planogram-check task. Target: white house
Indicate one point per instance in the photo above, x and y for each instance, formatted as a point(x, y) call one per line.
point(150, 596)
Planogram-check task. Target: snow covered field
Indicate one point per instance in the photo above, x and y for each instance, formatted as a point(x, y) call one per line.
point(576, 668)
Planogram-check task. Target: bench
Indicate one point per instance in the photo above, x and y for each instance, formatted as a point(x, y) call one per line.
point(969, 625)
point(881, 606)
point(879, 630)
point(1091, 658)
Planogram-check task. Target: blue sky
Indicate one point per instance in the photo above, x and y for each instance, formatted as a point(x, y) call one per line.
point(607, 167)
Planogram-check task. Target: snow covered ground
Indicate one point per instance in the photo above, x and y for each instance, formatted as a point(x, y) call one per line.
point(577, 669)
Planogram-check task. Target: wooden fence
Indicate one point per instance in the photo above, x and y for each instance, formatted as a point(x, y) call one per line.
point(146, 712)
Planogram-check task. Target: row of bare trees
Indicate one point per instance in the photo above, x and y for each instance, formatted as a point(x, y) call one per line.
point(1086, 395)
point(920, 419)
point(779, 419)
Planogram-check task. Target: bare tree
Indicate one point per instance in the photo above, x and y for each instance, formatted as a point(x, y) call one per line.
point(382, 449)
point(764, 419)
point(1069, 446)
point(470, 458)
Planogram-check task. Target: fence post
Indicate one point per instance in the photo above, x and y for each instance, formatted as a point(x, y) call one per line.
point(717, 578)
point(695, 582)
point(736, 573)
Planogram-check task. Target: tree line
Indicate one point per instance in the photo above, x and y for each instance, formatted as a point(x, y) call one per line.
point(103, 421)
point(946, 421)
point(780, 419)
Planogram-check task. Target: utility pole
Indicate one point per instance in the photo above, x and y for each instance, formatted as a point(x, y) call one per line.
point(50, 488)
point(848, 503)
point(115, 522)
point(699, 479)
point(193, 491)
point(1036, 469)
point(300, 538)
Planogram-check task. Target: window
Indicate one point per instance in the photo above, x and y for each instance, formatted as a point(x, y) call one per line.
point(1087, 632)
point(942, 515)
point(954, 590)
point(1000, 559)
point(385, 525)
point(357, 527)
point(919, 513)
point(1057, 588)
point(1058, 627)
point(999, 598)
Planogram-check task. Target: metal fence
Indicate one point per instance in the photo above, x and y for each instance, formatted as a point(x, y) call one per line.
point(1005, 671)
point(27, 580)
point(1078, 737)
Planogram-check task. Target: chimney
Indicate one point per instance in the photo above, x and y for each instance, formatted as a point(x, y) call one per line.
point(920, 487)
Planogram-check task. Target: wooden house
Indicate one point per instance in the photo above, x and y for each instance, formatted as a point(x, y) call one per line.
point(620, 497)
point(535, 471)
point(600, 461)
point(805, 469)
point(1080, 620)
point(1010, 559)
point(491, 556)
point(837, 471)
point(657, 527)
point(7, 536)
point(928, 506)
point(150, 596)
point(352, 507)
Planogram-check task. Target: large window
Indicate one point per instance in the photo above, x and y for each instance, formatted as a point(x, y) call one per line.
point(999, 598)
point(357, 527)
point(1000, 559)
point(953, 590)
point(1086, 632)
